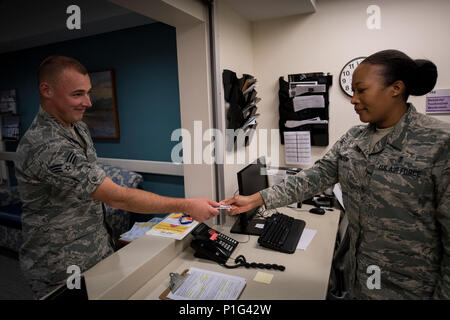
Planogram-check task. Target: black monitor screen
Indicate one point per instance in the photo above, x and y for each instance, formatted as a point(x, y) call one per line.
point(251, 179)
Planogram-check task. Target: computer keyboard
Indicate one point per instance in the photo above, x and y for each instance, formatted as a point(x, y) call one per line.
point(281, 233)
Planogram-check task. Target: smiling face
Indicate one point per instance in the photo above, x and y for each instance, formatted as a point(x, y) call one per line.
point(67, 96)
point(374, 101)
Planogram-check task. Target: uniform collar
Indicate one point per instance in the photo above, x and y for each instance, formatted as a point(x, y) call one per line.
point(395, 138)
point(63, 130)
point(399, 134)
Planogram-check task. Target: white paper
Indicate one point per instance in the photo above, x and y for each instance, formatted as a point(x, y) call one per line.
point(275, 178)
point(308, 102)
point(306, 238)
point(139, 229)
point(251, 121)
point(208, 285)
point(301, 89)
point(249, 89)
point(338, 194)
point(298, 123)
point(293, 84)
point(276, 175)
point(297, 147)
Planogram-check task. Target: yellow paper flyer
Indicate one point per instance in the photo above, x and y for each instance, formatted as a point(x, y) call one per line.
point(172, 227)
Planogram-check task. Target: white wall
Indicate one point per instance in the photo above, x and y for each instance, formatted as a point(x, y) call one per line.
point(189, 17)
point(235, 52)
point(337, 32)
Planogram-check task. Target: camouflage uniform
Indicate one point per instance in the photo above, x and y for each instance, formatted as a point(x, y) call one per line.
point(61, 224)
point(397, 200)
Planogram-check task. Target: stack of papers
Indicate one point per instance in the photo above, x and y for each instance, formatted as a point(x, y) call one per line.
point(139, 229)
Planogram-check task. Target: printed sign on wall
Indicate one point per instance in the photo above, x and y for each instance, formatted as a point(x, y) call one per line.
point(438, 101)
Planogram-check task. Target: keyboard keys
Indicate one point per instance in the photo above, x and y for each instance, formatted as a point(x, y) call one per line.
point(281, 233)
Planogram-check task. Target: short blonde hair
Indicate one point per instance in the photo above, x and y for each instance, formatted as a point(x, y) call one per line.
point(52, 67)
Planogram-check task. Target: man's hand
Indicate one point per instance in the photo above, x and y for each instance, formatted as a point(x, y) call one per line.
point(201, 209)
point(241, 204)
point(140, 201)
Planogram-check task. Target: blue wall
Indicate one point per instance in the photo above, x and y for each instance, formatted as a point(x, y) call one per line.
point(144, 60)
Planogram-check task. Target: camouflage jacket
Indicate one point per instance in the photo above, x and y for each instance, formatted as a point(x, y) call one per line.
point(61, 224)
point(397, 200)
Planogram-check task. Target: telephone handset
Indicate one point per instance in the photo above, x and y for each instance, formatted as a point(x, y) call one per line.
point(211, 244)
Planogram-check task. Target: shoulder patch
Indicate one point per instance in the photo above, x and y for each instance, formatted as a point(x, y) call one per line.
point(71, 158)
point(67, 166)
point(57, 168)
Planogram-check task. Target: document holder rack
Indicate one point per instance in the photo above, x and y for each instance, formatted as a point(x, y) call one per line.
point(305, 85)
point(241, 96)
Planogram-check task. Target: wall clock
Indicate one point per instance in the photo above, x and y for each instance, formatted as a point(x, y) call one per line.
point(345, 77)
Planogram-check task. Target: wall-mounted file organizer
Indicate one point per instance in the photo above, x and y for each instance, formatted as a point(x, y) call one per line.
point(240, 94)
point(9, 119)
point(304, 105)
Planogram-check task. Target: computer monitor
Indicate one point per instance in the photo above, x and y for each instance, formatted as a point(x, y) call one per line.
point(251, 179)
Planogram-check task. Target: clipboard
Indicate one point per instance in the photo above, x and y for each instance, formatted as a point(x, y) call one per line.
point(165, 293)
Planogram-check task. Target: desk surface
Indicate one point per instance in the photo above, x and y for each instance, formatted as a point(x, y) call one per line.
point(306, 275)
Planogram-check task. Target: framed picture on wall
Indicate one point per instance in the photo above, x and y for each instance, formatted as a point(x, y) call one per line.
point(102, 118)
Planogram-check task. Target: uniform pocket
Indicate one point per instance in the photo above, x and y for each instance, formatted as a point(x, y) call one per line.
point(348, 172)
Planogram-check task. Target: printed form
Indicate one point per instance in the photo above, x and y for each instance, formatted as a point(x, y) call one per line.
point(297, 147)
point(208, 285)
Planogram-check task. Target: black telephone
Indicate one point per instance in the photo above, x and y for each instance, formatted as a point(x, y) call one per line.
point(211, 244)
